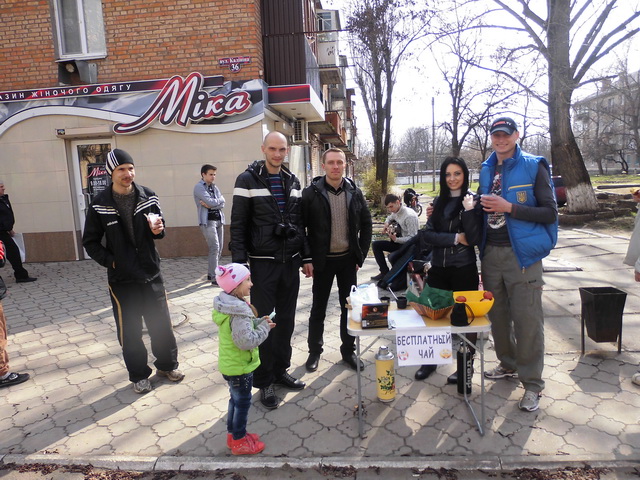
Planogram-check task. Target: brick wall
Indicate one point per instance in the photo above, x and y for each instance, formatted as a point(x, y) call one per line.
point(145, 39)
point(26, 45)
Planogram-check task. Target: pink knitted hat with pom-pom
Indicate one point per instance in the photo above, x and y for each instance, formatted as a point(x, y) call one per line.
point(230, 276)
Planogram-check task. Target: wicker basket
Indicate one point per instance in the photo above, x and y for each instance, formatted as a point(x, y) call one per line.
point(430, 312)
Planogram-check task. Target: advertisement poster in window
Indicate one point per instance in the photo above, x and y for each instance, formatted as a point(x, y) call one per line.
point(98, 180)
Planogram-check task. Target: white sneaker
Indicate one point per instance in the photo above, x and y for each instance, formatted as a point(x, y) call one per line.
point(530, 401)
point(142, 386)
point(636, 378)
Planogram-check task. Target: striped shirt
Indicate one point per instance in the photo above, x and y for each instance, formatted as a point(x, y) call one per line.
point(277, 190)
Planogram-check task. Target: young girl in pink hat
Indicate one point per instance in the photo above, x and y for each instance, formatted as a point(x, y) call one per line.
point(239, 336)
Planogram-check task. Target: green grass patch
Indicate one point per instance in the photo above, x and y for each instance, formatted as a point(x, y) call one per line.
point(597, 180)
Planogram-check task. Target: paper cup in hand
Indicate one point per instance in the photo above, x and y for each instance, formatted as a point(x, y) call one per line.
point(153, 218)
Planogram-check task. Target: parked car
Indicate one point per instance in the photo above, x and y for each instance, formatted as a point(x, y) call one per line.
point(561, 191)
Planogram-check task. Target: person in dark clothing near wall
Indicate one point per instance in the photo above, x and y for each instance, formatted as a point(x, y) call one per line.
point(7, 220)
point(127, 217)
point(339, 229)
point(267, 232)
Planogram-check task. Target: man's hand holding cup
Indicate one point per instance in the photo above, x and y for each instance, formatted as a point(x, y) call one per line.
point(155, 223)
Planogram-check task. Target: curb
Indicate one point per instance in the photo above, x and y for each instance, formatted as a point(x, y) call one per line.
point(470, 463)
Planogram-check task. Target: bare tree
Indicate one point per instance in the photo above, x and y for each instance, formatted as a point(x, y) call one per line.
point(595, 125)
point(475, 93)
point(626, 116)
point(412, 152)
point(381, 33)
point(415, 145)
point(572, 36)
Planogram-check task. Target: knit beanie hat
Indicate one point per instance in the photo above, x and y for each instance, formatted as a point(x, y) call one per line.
point(230, 276)
point(115, 158)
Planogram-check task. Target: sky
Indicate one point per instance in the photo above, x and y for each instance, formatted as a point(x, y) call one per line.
point(420, 80)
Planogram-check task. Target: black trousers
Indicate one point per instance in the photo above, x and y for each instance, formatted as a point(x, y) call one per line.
point(343, 269)
point(456, 279)
point(131, 303)
point(13, 255)
point(275, 287)
point(381, 246)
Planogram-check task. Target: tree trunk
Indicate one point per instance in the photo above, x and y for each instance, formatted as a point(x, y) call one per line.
point(565, 154)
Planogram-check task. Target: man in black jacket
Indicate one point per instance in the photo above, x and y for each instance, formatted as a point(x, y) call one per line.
point(267, 232)
point(7, 220)
point(339, 229)
point(129, 218)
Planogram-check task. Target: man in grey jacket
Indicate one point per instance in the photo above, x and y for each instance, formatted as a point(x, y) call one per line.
point(210, 202)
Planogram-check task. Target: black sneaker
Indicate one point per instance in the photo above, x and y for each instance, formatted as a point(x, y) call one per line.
point(379, 276)
point(268, 398)
point(289, 382)
point(14, 379)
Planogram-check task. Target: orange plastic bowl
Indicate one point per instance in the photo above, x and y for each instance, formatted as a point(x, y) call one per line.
point(476, 301)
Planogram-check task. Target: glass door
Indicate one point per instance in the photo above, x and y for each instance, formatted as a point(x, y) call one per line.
point(89, 177)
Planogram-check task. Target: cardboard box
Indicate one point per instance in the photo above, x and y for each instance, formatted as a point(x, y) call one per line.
point(375, 315)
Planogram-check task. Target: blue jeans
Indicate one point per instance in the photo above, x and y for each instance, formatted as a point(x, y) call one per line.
point(213, 233)
point(239, 403)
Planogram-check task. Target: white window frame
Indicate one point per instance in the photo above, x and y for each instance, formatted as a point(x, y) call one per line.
point(325, 21)
point(95, 27)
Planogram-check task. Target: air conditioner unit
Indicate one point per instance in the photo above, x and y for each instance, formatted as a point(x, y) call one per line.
point(300, 132)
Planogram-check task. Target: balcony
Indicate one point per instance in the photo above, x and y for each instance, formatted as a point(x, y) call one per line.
point(331, 130)
point(297, 102)
point(329, 63)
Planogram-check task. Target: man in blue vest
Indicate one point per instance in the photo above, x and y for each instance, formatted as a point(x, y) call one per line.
point(520, 229)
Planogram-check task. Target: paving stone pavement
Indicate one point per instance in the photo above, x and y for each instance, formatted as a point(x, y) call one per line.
point(79, 403)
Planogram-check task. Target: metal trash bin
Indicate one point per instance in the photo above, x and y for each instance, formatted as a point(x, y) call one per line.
point(602, 309)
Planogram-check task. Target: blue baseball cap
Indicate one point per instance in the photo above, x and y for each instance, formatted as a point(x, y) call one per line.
point(503, 124)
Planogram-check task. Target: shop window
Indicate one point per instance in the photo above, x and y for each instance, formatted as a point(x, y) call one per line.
point(79, 29)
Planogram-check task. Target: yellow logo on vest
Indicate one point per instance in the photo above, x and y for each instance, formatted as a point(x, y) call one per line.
point(521, 196)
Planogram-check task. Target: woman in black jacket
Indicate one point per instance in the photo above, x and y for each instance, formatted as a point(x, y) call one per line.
point(452, 230)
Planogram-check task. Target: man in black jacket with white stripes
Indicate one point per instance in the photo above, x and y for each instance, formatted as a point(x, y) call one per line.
point(267, 233)
point(129, 218)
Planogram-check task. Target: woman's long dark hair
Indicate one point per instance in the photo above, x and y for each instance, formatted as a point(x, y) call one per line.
point(445, 192)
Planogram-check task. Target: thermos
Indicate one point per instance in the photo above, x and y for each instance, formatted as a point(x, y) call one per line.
point(464, 380)
point(385, 374)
